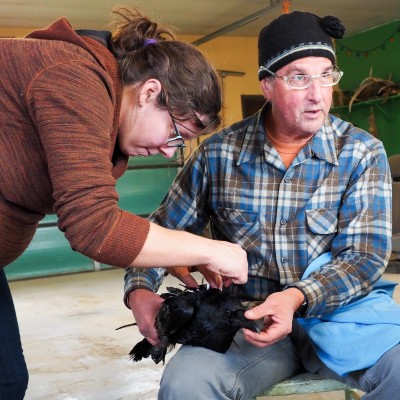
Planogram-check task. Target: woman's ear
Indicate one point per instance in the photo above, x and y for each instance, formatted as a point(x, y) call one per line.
point(150, 90)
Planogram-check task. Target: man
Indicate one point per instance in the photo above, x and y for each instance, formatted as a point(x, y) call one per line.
point(288, 184)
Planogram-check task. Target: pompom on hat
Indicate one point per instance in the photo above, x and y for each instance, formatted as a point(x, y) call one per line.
point(296, 35)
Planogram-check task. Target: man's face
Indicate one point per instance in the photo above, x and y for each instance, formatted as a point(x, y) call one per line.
point(299, 112)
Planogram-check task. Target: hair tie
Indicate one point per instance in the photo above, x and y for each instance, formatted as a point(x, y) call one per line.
point(149, 41)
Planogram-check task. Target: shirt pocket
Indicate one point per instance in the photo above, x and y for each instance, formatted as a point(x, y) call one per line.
point(322, 227)
point(240, 227)
point(322, 221)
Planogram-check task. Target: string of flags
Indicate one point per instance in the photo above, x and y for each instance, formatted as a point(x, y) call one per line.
point(366, 52)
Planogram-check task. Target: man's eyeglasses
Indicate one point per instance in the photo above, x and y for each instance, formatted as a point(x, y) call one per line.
point(177, 140)
point(300, 81)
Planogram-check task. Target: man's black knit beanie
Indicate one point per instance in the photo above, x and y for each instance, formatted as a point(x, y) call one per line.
point(296, 35)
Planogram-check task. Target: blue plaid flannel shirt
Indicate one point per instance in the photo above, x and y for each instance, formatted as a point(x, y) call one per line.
point(335, 196)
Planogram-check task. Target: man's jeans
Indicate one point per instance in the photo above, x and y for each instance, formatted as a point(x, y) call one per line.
point(244, 370)
point(13, 371)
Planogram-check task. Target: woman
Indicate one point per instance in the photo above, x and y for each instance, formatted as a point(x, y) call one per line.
point(74, 106)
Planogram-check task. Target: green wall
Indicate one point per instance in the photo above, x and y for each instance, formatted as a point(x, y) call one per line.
point(141, 189)
point(376, 50)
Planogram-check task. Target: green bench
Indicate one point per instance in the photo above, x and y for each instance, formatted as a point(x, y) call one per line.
point(309, 383)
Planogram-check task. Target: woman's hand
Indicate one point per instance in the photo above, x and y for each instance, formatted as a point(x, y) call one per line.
point(228, 260)
point(169, 248)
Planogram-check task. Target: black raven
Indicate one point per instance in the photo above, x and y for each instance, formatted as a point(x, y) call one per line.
point(199, 317)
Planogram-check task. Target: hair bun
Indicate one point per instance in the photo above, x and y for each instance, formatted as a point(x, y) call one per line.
point(332, 26)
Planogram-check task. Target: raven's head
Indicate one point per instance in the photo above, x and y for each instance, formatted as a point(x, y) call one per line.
point(226, 310)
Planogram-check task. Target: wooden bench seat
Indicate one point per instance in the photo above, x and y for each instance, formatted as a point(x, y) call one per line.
point(309, 383)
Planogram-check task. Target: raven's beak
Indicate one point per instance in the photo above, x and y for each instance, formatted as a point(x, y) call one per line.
point(252, 326)
point(243, 322)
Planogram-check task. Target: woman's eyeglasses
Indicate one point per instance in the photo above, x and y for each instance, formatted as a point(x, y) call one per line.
point(177, 140)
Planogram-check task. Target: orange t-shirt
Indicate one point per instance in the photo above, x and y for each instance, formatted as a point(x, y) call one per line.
point(287, 150)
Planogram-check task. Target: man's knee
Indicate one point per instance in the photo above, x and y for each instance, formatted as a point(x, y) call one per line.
point(390, 364)
point(188, 373)
point(381, 381)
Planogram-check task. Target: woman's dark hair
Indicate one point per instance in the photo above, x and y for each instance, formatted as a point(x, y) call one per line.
point(146, 50)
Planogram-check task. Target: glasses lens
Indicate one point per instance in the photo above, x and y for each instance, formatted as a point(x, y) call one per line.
point(176, 142)
point(337, 75)
point(331, 78)
point(326, 79)
point(299, 81)
point(304, 81)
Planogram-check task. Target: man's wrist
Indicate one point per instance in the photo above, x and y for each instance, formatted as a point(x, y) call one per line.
point(302, 302)
point(301, 311)
point(128, 293)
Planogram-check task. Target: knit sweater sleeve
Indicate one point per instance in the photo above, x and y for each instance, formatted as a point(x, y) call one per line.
point(72, 105)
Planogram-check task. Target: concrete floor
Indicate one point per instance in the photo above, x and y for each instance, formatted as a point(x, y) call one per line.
point(71, 346)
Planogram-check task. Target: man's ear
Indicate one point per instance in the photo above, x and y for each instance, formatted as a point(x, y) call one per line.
point(151, 89)
point(266, 87)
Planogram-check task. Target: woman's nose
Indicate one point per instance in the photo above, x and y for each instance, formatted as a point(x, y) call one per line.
point(167, 152)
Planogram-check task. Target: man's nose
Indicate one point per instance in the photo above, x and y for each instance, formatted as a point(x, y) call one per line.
point(315, 89)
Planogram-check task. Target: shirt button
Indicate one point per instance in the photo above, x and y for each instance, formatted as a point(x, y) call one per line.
point(287, 179)
point(283, 260)
point(283, 221)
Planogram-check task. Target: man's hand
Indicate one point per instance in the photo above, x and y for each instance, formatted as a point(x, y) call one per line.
point(144, 305)
point(184, 275)
point(277, 310)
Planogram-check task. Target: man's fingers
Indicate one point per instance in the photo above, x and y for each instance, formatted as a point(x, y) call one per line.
point(151, 341)
point(183, 274)
point(257, 312)
point(227, 282)
point(188, 281)
point(214, 280)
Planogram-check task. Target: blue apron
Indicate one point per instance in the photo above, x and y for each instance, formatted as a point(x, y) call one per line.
point(355, 336)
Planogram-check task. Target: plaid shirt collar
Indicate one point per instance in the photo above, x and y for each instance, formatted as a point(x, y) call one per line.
point(323, 145)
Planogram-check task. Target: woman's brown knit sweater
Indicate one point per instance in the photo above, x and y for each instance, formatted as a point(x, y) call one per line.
point(59, 109)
